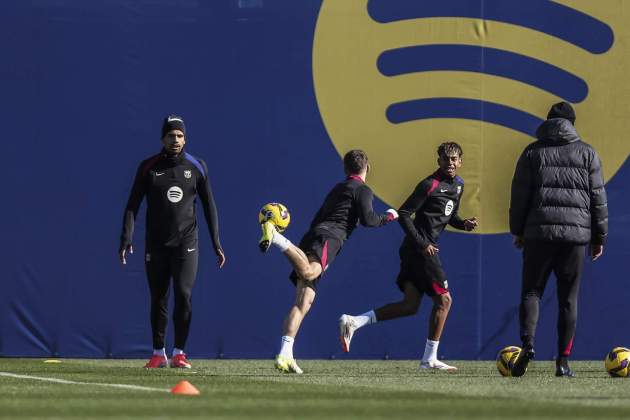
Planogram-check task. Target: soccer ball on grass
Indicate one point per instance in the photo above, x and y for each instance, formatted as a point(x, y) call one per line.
point(506, 358)
point(617, 362)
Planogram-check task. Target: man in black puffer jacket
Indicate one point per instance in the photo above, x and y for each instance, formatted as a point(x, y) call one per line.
point(558, 207)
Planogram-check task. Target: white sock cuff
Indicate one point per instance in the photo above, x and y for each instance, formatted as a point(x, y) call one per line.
point(280, 241)
point(286, 346)
point(177, 351)
point(430, 350)
point(372, 316)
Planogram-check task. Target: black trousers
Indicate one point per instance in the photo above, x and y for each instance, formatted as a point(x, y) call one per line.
point(162, 265)
point(566, 261)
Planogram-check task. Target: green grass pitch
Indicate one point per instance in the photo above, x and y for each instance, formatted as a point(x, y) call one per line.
point(235, 389)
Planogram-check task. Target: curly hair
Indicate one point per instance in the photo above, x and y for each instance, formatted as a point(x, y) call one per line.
point(448, 148)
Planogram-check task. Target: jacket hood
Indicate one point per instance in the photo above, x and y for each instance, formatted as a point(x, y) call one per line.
point(558, 131)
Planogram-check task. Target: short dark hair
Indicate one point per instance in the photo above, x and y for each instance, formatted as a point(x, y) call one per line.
point(355, 161)
point(449, 147)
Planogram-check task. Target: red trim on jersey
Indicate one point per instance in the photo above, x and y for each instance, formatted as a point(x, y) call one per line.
point(324, 256)
point(434, 185)
point(567, 351)
point(149, 164)
point(357, 177)
point(437, 288)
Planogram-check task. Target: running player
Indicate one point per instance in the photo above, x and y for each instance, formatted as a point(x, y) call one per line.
point(171, 180)
point(346, 205)
point(435, 202)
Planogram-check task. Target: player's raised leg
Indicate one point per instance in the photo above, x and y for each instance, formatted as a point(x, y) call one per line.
point(303, 267)
point(408, 306)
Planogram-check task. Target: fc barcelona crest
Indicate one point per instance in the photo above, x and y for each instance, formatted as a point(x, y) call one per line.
point(187, 174)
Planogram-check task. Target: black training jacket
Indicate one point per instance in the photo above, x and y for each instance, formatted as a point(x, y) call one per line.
point(171, 185)
point(558, 191)
point(346, 205)
point(435, 203)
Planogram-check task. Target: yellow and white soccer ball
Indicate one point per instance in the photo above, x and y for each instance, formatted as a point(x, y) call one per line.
point(277, 214)
point(617, 362)
point(506, 358)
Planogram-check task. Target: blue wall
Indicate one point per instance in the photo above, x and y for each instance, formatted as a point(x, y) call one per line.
point(84, 86)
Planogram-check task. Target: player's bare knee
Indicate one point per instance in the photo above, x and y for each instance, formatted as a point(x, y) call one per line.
point(310, 275)
point(448, 299)
point(307, 273)
point(302, 273)
point(443, 302)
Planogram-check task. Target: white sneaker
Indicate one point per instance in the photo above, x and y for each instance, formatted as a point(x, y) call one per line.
point(347, 327)
point(286, 365)
point(437, 365)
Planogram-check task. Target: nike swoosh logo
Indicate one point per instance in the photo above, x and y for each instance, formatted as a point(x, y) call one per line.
point(190, 250)
point(159, 173)
point(441, 190)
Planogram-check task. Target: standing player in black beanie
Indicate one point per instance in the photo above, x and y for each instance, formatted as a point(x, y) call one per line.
point(171, 180)
point(558, 207)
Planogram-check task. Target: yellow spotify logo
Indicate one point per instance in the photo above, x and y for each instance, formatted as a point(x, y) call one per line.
point(398, 77)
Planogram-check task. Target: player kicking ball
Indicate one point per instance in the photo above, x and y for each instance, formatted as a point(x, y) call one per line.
point(346, 205)
point(435, 202)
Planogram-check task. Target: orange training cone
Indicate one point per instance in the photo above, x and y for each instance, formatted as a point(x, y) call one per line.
point(184, 388)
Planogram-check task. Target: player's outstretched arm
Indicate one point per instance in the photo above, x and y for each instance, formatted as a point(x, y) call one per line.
point(367, 216)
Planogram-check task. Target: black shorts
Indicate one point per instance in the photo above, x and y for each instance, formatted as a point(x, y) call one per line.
point(424, 272)
point(318, 246)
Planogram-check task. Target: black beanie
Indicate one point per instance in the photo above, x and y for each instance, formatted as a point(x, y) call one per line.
point(173, 122)
point(562, 110)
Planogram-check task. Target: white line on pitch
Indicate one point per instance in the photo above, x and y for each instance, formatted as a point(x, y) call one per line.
point(67, 382)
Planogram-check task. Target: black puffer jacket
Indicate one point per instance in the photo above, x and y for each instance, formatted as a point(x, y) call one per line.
point(558, 191)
